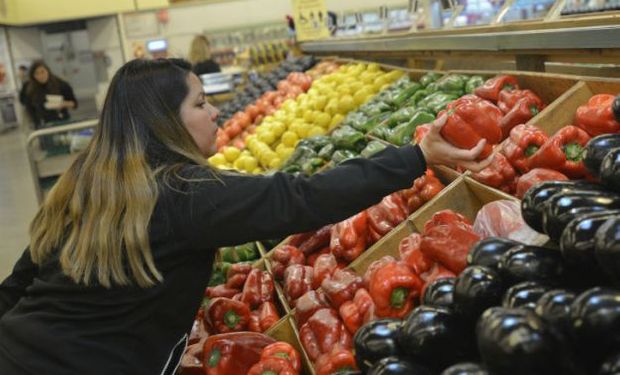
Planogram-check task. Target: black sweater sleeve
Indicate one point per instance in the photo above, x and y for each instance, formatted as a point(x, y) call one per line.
point(67, 92)
point(241, 208)
point(14, 286)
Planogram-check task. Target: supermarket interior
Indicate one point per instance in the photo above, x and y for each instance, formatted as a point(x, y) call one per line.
point(426, 187)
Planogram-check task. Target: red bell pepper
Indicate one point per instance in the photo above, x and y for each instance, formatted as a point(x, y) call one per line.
point(564, 152)
point(310, 242)
point(322, 332)
point(394, 288)
point(499, 174)
point(444, 217)
point(358, 311)
point(386, 215)
point(374, 266)
point(297, 281)
point(335, 362)
point(311, 259)
point(494, 86)
point(525, 108)
point(237, 274)
point(258, 288)
point(264, 317)
point(220, 291)
point(596, 117)
point(233, 353)
point(236, 281)
point(523, 142)
point(283, 350)
point(308, 304)
point(299, 238)
point(191, 362)
point(423, 190)
point(471, 119)
point(508, 99)
point(348, 237)
point(411, 255)
point(283, 257)
point(536, 176)
point(341, 287)
point(273, 366)
point(324, 268)
point(421, 131)
point(227, 315)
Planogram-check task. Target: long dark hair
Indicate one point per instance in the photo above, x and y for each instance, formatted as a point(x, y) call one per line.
point(98, 212)
point(35, 90)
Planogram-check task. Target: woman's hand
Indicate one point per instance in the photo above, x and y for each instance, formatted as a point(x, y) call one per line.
point(437, 150)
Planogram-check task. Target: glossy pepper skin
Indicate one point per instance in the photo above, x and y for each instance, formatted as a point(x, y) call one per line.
point(597, 116)
point(471, 119)
point(322, 332)
point(297, 281)
point(233, 353)
point(523, 110)
point(283, 257)
point(341, 287)
point(536, 176)
point(394, 288)
point(523, 142)
point(385, 216)
point(339, 359)
point(410, 253)
point(358, 311)
point(308, 304)
point(423, 190)
point(596, 150)
point(374, 266)
point(220, 291)
point(324, 267)
point(264, 317)
point(272, 366)
point(283, 350)
point(491, 89)
point(258, 288)
point(500, 175)
point(449, 244)
point(227, 315)
point(348, 238)
point(563, 152)
point(508, 99)
point(376, 340)
point(310, 242)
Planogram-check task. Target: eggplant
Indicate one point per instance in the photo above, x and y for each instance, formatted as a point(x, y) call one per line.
point(611, 366)
point(375, 340)
point(560, 209)
point(578, 240)
point(595, 322)
point(531, 205)
point(440, 292)
point(532, 263)
point(489, 251)
point(607, 248)
point(610, 170)
point(615, 108)
point(467, 368)
point(516, 341)
point(596, 149)
point(554, 307)
point(524, 295)
point(397, 366)
point(435, 337)
point(476, 289)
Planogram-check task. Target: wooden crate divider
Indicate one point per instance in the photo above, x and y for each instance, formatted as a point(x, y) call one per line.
point(285, 330)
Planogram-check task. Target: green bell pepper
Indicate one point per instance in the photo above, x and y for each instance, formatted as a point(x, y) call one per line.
point(405, 94)
point(403, 133)
point(453, 84)
point(377, 108)
point(218, 275)
point(327, 151)
point(345, 137)
point(402, 115)
point(372, 148)
point(312, 165)
point(342, 155)
point(241, 253)
point(473, 83)
point(429, 78)
point(374, 122)
point(315, 143)
point(380, 132)
point(416, 98)
point(356, 120)
point(436, 102)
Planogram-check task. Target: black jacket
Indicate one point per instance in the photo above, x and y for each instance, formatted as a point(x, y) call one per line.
point(50, 325)
point(35, 105)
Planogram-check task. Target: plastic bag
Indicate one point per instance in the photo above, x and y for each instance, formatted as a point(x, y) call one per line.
point(503, 218)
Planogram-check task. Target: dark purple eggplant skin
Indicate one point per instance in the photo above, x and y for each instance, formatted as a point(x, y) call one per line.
point(615, 108)
point(531, 205)
point(397, 366)
point(610, 170)
point(554, 307)
point(611, 366)
point(488, 252)
point(467, 368)
point(440, 293)
point(596, 149)
point(532, 263)
point(476, 289)
point(578, 240)
point(524, 295)
point(607, 249)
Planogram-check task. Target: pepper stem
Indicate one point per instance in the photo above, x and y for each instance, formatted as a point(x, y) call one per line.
point(281, 355)
point(398, 297)
point(531, 150)
point(534, 110)
point(214, 358)
point(574, 152)
point(231, 319)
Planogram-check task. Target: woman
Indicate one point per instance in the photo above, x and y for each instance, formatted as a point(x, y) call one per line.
point(122, 248)
point(46, 97)
point(200, 57)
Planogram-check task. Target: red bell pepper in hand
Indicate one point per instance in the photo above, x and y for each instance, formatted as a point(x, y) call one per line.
point(220, 291)
point(258, 288)
point(322, 332)
point(283, 257)
point(297, 281)
point(444, 217)
point(341, 287)
point(393, 288)
point(536, 176)
point(226, 315)
point(357, 312)
point(421, 131)
point(386, 215)
point(471, 119)
point(499, 174)
point(273, 366)
point(311, 259)
point(324, 268)
point(523, 142)
point(264, 317)
point(411, 255)
point(596, 117)
point(508, 99)
point(308, 304)
point(318, 240)
point(564, 152)
point(449, 244)
point(348, 237)
point(335, 362)
point(283, 350)
point(494, 86)
point(374, 266)
point(233, 353)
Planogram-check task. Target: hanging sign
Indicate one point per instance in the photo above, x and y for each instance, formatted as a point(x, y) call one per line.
point(310, 19)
